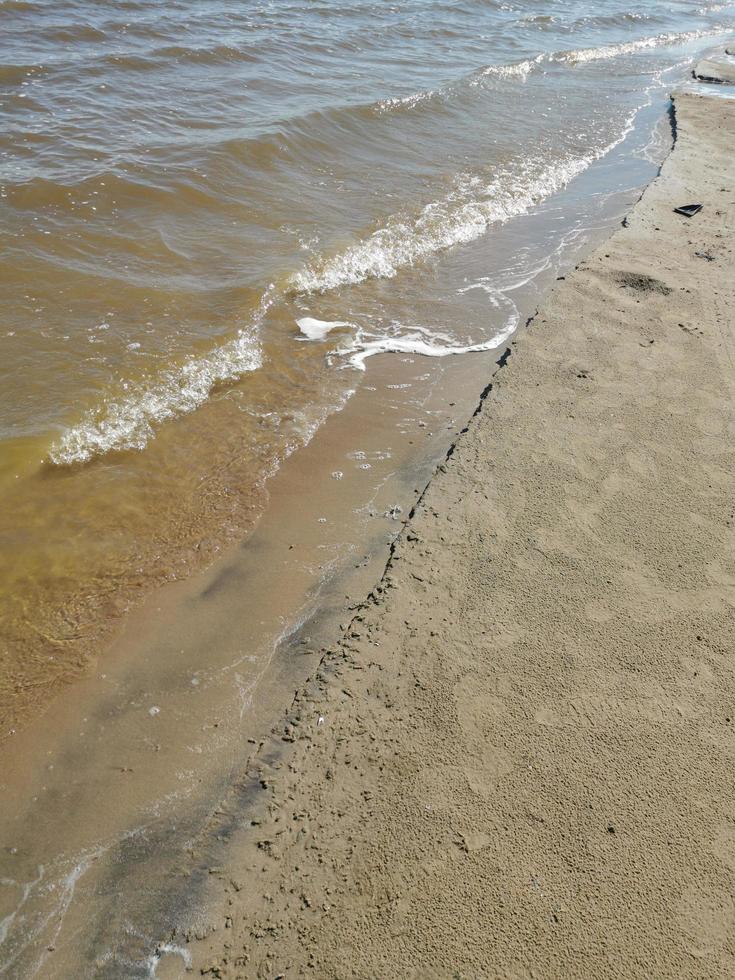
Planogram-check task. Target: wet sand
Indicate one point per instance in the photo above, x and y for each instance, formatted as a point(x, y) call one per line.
point(517, 760)
point(106, 791)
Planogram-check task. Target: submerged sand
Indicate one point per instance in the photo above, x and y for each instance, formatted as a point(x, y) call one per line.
point(518, 761)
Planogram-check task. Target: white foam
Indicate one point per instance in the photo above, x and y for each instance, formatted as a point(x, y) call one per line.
point(462, 216)
point(521, 69)
point(129, 422)
point(416, 342)
point(627, 47)
point(407, 101)
point(314, 329)
point(167, 949)
point(41, 927)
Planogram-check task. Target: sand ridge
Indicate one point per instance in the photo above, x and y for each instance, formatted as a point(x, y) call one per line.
point(518, 760)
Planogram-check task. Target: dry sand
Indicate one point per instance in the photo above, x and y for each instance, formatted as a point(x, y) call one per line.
point(518, 761)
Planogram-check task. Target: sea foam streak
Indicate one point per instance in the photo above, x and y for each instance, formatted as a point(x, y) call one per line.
point(626, 47)
point(313, 329)
point(128, 422)
point(415, 342)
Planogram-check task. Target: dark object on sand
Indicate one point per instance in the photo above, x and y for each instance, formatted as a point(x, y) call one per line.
point(688, 210)
point(718, 68)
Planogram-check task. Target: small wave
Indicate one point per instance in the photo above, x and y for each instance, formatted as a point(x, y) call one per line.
point(603, 53)
point(18, 5)
point(538, 19)
point(76, 32)
point(110, 190)
point(520, 69)
point(457, 219)
point(609, 21)
point(129, 62)
point(606, 52)
point(17, 74)
point(129, 422)
point(209, 56)
point(407, 101)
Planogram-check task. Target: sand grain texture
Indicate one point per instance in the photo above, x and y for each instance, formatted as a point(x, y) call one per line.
point(524, 764)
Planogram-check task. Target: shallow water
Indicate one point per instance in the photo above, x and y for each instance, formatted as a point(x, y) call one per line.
point(183, 184)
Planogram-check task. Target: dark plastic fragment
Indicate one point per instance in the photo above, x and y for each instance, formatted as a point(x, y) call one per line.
point(688, 210)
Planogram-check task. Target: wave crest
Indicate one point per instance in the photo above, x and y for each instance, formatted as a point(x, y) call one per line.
point(129, 422)
point(458, 219)
point(606, 52)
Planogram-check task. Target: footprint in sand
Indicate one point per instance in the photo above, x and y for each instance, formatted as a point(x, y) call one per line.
point(723, 846)
point(484, 772)
point(478, 710)
point(598, 612)
point(548, 717)
point(706, 918)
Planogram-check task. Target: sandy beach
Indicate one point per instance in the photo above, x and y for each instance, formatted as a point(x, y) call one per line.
point(517, 760)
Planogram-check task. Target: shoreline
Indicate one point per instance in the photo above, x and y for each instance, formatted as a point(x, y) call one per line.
point(60, 617)
point(209, 838)
point(127, 765)
point(489, 774)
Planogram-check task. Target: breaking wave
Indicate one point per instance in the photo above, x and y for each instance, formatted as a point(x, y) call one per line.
point(460, 218)
point(129, 422)
point(465, 214)
point(471, 207)
point(521, 69)
point(626, 47)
